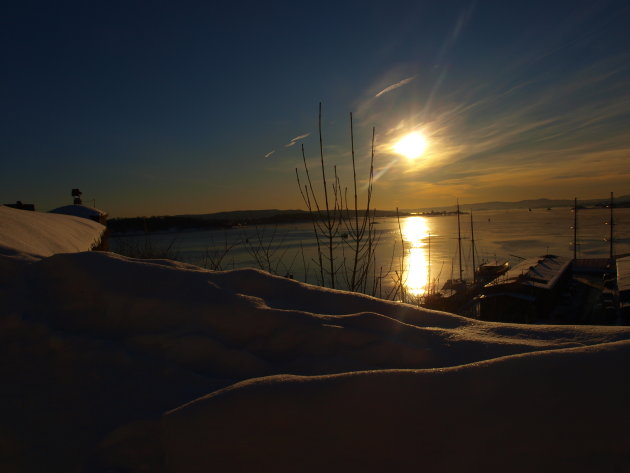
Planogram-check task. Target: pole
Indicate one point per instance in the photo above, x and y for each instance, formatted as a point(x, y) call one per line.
point(574, 228)
point(429, 289)
point(472, 241)
point(459, 244)
point(612, 224)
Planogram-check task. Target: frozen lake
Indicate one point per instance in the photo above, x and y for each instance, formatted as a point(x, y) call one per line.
point(430, 244)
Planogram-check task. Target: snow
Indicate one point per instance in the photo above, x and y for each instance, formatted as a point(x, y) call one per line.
point(32, 235)
point(119, 364)
point(561, 410)
point(623, 274)
point(543, 272)
point(82, 211)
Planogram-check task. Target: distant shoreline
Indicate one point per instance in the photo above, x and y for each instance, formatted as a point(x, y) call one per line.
point(142, 225)
point(226, 220)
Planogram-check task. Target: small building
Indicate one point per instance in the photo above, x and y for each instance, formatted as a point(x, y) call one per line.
point(597, 266)
point(623, 286)
point(76, 195)
point(527, 292)
point(89, 213)
point(83, 211)
point(20, 206)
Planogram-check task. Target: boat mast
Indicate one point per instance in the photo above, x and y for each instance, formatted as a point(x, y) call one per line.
point(574, 228)
point(452, 269)
point(612, 224)
point(459, 244)
point(429, 290)
point(472, 241)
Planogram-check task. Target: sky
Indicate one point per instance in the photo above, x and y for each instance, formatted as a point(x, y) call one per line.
point(155, 108)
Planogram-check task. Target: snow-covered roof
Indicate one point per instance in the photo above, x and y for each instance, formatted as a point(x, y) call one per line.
point(82, 211)
point(513, 295)
point(592, 265)
point(31, 235)
point(623, 274)
point(542, 272)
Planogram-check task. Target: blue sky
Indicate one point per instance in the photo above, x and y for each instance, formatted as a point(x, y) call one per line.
point(188, 107)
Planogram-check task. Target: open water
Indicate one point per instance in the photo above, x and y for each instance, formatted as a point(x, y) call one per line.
point(430, 254)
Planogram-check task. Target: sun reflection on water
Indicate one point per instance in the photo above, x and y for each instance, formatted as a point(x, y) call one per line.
point(415, 232)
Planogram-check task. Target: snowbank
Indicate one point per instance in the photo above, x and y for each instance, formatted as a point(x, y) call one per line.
point(98, 347)
point(82, 211)
point(32, 235)
point(552, 411)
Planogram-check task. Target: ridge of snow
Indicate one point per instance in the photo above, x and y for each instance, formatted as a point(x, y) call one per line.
point(326, 380)
point(560, 410)
point(31, 235)
point(79, 210)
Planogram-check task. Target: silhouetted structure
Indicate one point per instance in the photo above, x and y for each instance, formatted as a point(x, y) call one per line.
point(82, 211)
point(527, 292)
point(76, 193)
point(623, 287)
point(19, 205)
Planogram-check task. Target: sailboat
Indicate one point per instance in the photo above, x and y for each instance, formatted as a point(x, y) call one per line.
point(485, 272)
point(453, 292)
point(456, 293)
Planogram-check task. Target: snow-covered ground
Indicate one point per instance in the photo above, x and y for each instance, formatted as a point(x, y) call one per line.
point(33, 235)
point(117, 364)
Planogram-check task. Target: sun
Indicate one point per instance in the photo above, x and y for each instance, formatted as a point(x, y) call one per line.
point(412, 145)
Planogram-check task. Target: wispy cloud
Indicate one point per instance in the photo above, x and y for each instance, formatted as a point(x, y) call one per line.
point(545, 123)
point(270, 153)
point(394, 86)
point(505, 141)
point(296, 139)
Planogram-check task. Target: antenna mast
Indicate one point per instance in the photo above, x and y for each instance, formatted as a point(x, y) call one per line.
point(612, 225)
point(459, 244)
point(429, 288)
point(574, 228)
point(472, 241)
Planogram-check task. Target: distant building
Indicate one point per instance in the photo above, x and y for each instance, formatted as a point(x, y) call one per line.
point(76, 193)
point(89, 213)
point(623, 286)
point(597, 266)
point(527, 292)
point(19, 205)
point(83, 211)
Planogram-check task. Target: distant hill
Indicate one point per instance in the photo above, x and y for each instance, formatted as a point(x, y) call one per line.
point(272, 215)
point(622, 201)
point(276, 216)
point(216, 220)
point(241, 215)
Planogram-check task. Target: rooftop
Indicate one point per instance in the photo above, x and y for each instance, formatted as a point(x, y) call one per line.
point(623, 274)
point(82, 211)
point(542, 272)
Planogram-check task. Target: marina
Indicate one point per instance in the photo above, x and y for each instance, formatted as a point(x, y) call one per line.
point(497, 241)
point(546, 289)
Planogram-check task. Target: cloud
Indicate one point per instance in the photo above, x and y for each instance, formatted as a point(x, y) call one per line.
point(296, 139)
point(270, 153)
point(395, 86)
point(559, 140)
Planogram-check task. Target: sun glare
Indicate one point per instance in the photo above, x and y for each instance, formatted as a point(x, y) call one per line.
point(411, 146)
point(416, 233)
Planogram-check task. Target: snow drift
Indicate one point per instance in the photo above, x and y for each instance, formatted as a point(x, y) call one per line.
point(32, 235)
point(555, 411)
point(118, 364)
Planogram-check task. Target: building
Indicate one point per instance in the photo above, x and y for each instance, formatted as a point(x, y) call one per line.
point(623, 287)
point(20, 206)
point(527, 292)
point(83, 211)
